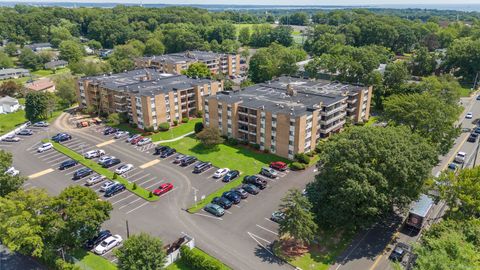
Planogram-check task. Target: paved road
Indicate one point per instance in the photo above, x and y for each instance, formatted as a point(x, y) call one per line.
point(370, 248)
point(241, 238)
point(14, 261)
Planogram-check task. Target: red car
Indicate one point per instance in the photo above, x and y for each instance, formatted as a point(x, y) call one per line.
point(163, 188)
point(279, 165)
point(136, 140)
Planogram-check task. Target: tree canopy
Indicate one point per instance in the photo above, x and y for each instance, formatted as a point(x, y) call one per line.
point(197, 70)
point(8, 183)
point(141, 252)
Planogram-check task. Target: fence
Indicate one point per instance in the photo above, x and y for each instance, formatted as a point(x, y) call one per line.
point(13, 132)
point(175, 254)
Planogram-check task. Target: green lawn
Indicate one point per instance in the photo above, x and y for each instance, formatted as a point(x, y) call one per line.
point(11, 120)
point(465, 92)
point(372, 120)
point(234, 157)
point(177, 131)
point(90, 261)
point(182, 265)
point(49, 73)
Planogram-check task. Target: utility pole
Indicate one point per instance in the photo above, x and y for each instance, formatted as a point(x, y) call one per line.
point(128, 230)
point(476, 154)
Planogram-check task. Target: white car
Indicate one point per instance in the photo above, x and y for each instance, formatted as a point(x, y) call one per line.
point(220, 173)
point(45, 147)
point(121, 134)
point(12, 171)
point(124, 168)
point(94, 180)
point(144, 141)
point(108, 244)
point(461, 157)
point(104, 159)
point(469, 115)
point(107, 185)
point(94, 153)
point(41, 124)
point(11, 139)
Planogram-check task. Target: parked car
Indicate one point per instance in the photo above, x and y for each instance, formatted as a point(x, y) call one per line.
point(94, 153)
point(232, 196)
point(160, 149)
point(144, 141)
point(399, 252)
point(80, 173)
point(473, 137)
point(256, 181)
point(124, 168)
point(67, 164)
point(452, 167)
point(477, 130)
point(132, 137)
point(12, 171)
point(223, 202)
point(279, 165)
point(179, 158)
point(120, 134)
point(107, 244)
point(108, 185)
point(25, 132)
point(201, 167)
point(214, 209)
point(41, 124)
point(102, 235)
point(469, 115)
point(61, 137)
point(220, 173)
point(478, 97)
point(231, 175)
point(109, 130)
point(251, 189)
point(168, 152)
point(114, 190)
point(187, 161)
point(104, 159)
point(136, 140)
point(95, 180)
point(460, 157)
point(278, 216)
point(268, 172)
point(240, 192)
point(44, 147)
point(111, 162)
point(11, 138)
point(163, 188)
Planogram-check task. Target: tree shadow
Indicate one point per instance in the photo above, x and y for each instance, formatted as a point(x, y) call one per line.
point(200, 149)
point(267, 255)
point(14, 261)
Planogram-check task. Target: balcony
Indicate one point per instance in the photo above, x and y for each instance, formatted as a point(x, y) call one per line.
point(352, 101)
point(330, 112)
point(333, 127)
point(352, 109)
point(333, 119)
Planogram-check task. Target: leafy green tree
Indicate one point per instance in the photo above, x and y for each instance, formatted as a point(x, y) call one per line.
point(5, 61)
point(36, 106)
point(463, 57)
point(299, 221)
point(114, 119)
point(59, 34)
point(197, 70)
point(282, 35)
point(261, 35)
point(229, 46)
point(71, 51)
point(141, 251)
point(11, 48)
point(9, 88)
point(138, 45)
point(210, 137)
point(29, 59)
point(66, 91)
point(298, 18)
point(8, 183)
point(366, 173)
point(181, 39)
point(90, 68)
point(396, 75)
point(423, 63)
point(94, 45)
point(154, 47)
point(221, 32)
point(45, 56)
point(426, 115)
point(244, 35)
point(122, 58)
point(445, 88)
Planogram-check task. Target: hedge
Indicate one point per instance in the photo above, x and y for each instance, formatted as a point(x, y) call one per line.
point(303, 158)
point(296, 166)
point(164, 126)
point(198, 127)
point(185, 120)
point(196, 259)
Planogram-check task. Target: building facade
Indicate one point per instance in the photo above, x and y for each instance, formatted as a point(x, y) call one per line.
point(146, 96)
point(287, 115)
point(174, 63)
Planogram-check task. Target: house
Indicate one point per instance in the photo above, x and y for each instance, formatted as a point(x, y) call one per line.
point(42, 85)
point(56, 64)
point(36, 47)
point(13, 73)
point(88, 50)
point(9, 105)
point(105, 53)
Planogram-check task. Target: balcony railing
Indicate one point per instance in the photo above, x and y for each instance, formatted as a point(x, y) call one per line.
point(333, 127)
point(333, 119)
point(339, 108)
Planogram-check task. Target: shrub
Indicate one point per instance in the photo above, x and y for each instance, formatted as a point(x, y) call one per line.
point(232, 141)
point(134, 125)
point(198, 127)
point(266, 151)
point(303, 158)
point(310, 154)
point(114, 176)
point(63, 265)
point(134, 186)
point(164, 126)
point(256, 146)
point(297, 166)
point(199, 114)
point(175, 122)
point(199, 261)
point(244, 142)
point(185, 120)
point(149, 129)
point(150, 194)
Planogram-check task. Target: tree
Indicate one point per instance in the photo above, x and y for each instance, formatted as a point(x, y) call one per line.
point(396, 74)
point(282, 35)
point(11, 48)
point(114, 119)
point(463, 58)
point(94, 45)
point(198, 127)
point(244, 35)
point(261, 35)
point(5, 61)
point(90, 68)
point(65, 86)
point(36, 106)
point(423, 63)
point(210, 137)
point(426, 115)
point(197, 70)
point(445, 88)
point(138, 45)
point(122, 58)
point(154, 47)
point(29, 59)
point(141, 251)
point(71, 51)
point(9, 88)
point(8, 183)
point(299, 221)
point(366, 172)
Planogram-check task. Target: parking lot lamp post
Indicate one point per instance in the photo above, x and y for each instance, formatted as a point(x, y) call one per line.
point(195, 195)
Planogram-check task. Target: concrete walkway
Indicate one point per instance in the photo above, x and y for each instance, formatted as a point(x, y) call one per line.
point(175, 139)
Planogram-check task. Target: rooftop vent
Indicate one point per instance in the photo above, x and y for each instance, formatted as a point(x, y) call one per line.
point(290, 91)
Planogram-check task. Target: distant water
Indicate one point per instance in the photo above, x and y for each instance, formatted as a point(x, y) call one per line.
point(459, 7)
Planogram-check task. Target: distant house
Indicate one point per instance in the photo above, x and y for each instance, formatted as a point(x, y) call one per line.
point(9, 105)
point(105, 53)
point(42, 85)
point(56, 64)
point(13, 73)
point(88, 50)
point(36, 47)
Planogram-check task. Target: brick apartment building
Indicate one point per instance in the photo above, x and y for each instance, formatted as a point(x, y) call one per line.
point(287, 115)
point(148, 97)
point(174, 63)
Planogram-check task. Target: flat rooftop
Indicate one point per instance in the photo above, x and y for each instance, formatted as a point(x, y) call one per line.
point(145, 82)
point(189, 56)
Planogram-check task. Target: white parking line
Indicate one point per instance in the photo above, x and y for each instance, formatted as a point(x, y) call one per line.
point(151, 186)
point(143, 176)
point(46, 152)
point(73, 143)
point(123, 206)
point(73, 167)
point(238, 206)
point(51, 157)
point(123, 199)
point(26, 184)
point(34, 146)
point(254, 237)
point(130, 175)
point(145, 203)
point(56, 159)
point(228, 212)
point(270, 220)
point(208, 215)
point(72, 172)
point(270, 231)
point(143, 183)
point(114, 196)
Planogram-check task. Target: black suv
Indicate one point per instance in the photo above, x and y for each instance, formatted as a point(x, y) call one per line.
point(111, 162)
point(114, 190)
point(232, 196)
point(102, 235)
point(61, 137)
point(82, 173)
point(67, 164)
point(473, 137)
point(256, 181)
point(168, 152)
point(223, 202)
point(187, 161)
point(109, 130)
point(160, 149)
point(201, 167)
point(230, 176)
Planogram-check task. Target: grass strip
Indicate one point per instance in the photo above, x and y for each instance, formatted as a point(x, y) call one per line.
point(103, 171)
point(89, 260)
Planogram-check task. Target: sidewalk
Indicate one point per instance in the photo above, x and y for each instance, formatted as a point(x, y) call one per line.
point(175, 139)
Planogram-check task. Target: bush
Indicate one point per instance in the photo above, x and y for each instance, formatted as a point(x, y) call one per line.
point(232, 141)
point(256, 146)
point(134, 125)
point(164, 126)
point(199, 114)
point(175, 122)
point(297, 166)
point(134, 186)
point(198, 127)
point(198, 261)
point(149, 129)
point(63, 265)
point(150, 194)
point(185, 120)
point(244, 142)
point(311, 153)
point(303, 158)
point(266, 151)
point(114, 176)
